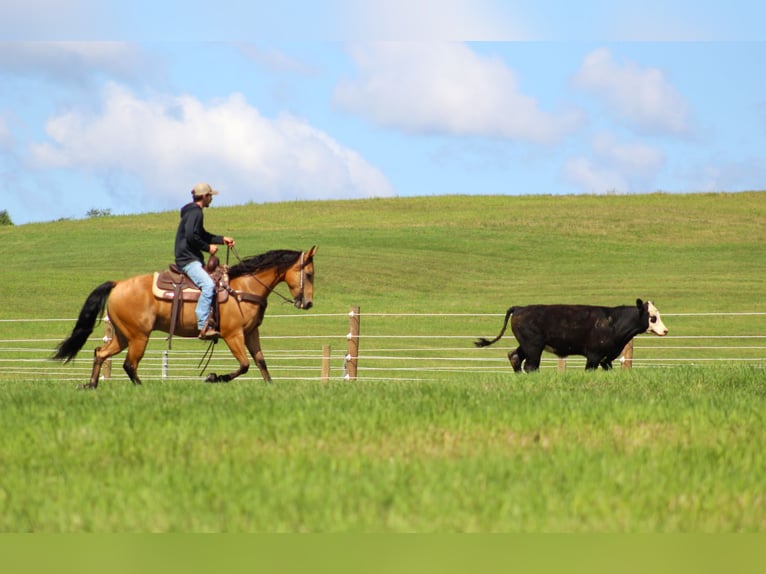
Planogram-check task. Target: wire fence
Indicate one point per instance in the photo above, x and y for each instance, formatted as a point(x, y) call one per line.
point(387, 346)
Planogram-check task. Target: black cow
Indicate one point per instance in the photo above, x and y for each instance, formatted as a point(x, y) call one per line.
point(597, 333)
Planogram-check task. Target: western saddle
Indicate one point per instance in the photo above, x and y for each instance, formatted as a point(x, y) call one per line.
point(175, 286)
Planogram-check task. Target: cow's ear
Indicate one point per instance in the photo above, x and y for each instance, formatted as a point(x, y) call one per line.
point(639, 303)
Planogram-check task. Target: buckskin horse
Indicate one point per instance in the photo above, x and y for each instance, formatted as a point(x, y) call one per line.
point(135, 311)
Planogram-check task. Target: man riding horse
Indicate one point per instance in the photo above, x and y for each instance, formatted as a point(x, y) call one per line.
point(191, 240)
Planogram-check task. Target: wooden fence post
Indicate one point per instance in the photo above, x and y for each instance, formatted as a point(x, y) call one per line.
point(106, 368)
point(627, 356)
point(325, 363)
point(352, 355)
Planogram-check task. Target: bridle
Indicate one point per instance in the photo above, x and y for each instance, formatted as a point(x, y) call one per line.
point(303, 271)
point(299, 298)
point(270, 288)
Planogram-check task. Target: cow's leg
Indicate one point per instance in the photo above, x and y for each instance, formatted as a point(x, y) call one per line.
point(516, 358)
point(606, 365)
point(591, 362)
point(533, 360)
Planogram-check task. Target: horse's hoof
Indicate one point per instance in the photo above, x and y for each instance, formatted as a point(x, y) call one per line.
point(213, 378)
point(86, 387)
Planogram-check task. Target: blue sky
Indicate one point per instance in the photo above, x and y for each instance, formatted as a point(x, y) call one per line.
point(125, 106)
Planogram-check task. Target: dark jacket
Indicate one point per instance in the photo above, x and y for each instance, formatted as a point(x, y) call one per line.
point(191, 237)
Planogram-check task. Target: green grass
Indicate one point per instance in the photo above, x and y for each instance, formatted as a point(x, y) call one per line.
point(648, 450)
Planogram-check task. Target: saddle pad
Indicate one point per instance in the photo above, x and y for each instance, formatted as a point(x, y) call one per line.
point(188, 294)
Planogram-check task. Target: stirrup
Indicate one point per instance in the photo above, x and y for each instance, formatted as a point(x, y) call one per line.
point(209, 334)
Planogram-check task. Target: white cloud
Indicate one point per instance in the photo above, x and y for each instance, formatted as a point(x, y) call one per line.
point(169, 143)
point(615, 166)
point(274, 60)
point(593, 178)
point(47, 19)
point(718, 174)
point(633, 159)
point(642, 97)
point(446, 88)
point(286, 20)
point(74, 62)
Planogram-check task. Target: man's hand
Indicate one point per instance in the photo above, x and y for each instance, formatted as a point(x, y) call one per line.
point(228, 241)
point(213, 249)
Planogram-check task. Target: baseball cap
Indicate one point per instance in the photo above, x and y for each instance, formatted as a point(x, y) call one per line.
point(202, 189)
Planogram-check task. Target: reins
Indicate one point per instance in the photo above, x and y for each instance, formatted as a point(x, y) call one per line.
point(208, 354)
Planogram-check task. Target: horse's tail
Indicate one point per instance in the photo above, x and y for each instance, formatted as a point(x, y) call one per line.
point(91, 311)
point(486, 342)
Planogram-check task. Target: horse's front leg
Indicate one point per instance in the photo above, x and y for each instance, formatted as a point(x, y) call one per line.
point(254, 345)
point(236, 344)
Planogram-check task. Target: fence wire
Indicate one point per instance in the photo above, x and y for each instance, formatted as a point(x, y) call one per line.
point(392, 346)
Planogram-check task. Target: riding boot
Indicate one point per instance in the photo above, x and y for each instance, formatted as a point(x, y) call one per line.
point(209, 332)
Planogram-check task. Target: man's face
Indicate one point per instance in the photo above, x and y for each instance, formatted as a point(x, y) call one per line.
point(207, 199)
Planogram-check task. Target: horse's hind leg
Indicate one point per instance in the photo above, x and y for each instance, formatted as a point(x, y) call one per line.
point(136, 349)
point(116, 344)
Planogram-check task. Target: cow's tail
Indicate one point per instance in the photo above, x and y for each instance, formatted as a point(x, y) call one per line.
point(486, 342)
point(91, 311)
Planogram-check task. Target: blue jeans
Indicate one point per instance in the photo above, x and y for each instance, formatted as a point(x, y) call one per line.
point(206, 284)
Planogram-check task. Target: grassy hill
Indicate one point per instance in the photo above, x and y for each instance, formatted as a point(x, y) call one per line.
point(688, 253)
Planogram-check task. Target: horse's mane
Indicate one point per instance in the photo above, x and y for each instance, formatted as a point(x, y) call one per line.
point(280, 258)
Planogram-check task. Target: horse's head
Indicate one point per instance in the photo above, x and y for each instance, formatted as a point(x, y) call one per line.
point(300, 279)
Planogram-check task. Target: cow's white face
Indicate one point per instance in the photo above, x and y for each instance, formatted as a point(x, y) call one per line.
point(656, 325)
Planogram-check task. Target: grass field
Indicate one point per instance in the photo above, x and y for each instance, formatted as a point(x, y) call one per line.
point(652, 450)
point(629, 453)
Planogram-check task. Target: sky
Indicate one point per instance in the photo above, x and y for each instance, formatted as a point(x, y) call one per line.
point(121, 107)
